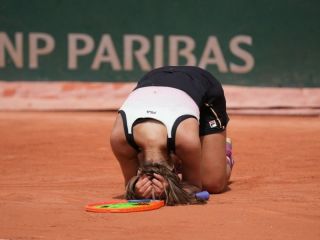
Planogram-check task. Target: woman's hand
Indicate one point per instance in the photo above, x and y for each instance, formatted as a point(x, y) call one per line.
point(144, 187)
point(159, 185)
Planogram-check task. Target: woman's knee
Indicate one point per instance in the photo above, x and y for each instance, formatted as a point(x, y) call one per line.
point(189, 147)
point(187, 137)
point(218, 185)
point(187, 142)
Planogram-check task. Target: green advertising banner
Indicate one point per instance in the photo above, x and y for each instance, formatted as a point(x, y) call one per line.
point(254, 43)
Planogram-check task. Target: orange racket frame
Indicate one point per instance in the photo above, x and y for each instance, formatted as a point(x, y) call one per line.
point(137, 206)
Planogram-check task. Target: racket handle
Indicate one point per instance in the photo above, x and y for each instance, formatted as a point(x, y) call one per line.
point(140, 200)
point(204, 195)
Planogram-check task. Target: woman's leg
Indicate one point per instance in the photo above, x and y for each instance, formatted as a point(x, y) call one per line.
point(215, 170)
point(125, 154)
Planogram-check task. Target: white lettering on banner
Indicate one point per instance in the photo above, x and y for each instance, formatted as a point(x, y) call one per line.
point(106, 44)
point(35, 51)
point(74, 51)
point(175, 52)
point(242, 54)
point(140, 54)
point(211, 55)
point(15, 50)
point(137, 52)
point(213, 46)
point(158, 51)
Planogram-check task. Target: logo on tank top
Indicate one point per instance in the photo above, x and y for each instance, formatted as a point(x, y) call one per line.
point(151, 112)
point(213, 124)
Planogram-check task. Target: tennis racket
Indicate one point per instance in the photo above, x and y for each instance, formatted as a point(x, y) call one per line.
point(125, 206)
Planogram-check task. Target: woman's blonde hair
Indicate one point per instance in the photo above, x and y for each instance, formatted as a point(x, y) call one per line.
point(176, 193)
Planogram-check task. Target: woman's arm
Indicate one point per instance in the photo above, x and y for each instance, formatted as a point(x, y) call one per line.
point(125, 154)
point(188, 149)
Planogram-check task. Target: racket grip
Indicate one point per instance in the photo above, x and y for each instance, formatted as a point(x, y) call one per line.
point(204, 195)
point(140, 200)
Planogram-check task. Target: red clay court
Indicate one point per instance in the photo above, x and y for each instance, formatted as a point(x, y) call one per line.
point(54, 163)
point(66, 68)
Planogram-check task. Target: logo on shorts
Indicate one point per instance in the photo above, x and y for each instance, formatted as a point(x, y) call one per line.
point(213, 124)
point(151, 112)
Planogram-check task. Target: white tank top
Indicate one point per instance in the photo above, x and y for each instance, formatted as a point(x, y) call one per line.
point(164, 104)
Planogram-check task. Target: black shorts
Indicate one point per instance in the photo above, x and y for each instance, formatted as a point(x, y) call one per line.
point(213, 119)
point(201, 86)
